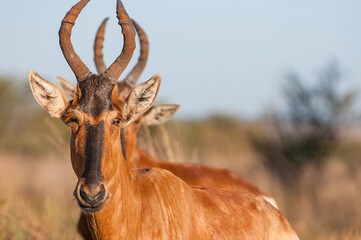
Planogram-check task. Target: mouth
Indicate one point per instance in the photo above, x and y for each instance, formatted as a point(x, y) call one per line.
point(91, 209)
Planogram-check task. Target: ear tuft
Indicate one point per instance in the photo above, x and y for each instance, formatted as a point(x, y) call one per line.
point(47, 95)
point(159, 114)
point(67, 87)
point(141, 98)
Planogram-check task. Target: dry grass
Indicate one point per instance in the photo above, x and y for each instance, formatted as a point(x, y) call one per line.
point(36, 198)
point(36, 193)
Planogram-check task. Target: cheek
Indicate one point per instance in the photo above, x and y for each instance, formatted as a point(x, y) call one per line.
point(111, 153)
point(77, 152)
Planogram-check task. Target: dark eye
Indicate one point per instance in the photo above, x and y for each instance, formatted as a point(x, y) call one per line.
point(116, 121)
point(73, 119)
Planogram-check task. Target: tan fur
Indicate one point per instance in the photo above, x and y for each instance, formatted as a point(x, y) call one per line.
point(132, 103)
point(47, 95)
point(159, 114)
point(67, 87)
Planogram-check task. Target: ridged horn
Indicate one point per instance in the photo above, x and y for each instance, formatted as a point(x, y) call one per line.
point(118, 66)
point(98, 48)
point(132, 78)
point(79, 68)
point(137, 70)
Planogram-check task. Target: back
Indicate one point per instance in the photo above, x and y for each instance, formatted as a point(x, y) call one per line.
point(200, 213)
point(200, 175)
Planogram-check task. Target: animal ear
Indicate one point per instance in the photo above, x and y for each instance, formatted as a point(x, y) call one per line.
point(141, 98)
point(67, 87)
point(48, 95)
point(159, 114)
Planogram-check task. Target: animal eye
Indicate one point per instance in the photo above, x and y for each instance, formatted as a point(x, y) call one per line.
point(73, 119)
point(116, 121)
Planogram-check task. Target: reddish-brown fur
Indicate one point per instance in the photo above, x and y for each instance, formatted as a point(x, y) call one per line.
point(155, 204)
point(197, 174)
point(192, 173)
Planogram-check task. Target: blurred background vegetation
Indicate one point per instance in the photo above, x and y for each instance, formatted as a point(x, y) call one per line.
point(306, 154)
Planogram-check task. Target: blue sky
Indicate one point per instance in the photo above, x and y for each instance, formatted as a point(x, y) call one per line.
point(214, 56)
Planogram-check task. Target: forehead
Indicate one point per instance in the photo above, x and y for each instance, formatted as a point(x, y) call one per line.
point(96, 95)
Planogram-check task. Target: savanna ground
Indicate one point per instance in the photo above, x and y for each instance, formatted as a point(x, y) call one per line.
point(322, 201)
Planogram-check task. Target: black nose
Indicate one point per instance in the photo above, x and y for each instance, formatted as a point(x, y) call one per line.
point(92, 197)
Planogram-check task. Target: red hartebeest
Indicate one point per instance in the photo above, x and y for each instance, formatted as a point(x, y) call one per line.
point(193, 174)
point(121, 203)
point(154, 116)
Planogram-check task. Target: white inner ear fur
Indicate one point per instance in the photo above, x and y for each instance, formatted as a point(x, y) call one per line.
point(141, 98)
point(67, 87)
point(159, 114)
point(48, 95)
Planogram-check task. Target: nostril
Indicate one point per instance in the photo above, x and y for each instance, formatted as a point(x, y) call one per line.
point(92, 200)
point(83, 194)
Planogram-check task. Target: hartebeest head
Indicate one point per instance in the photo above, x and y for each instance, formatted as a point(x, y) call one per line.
point(154, 116)
point(95, 115)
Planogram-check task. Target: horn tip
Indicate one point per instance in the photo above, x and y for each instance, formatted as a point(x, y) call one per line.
point(119, 4)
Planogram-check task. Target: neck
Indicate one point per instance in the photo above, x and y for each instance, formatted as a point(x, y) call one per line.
point(142, 159)
point(130, 139)
point(140, 199)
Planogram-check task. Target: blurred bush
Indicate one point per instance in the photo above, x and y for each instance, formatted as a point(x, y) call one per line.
point(307, 132)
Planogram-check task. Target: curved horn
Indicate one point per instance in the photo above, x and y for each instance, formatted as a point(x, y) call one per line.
point(98, 46)
point(118, 66)
point(79, 68)
point(137, 70)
